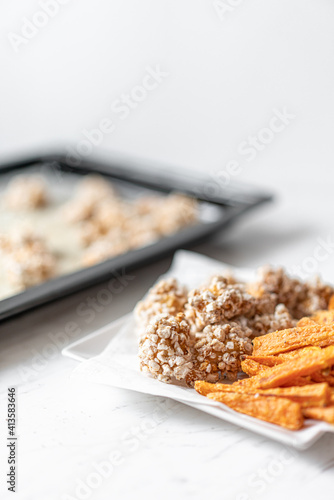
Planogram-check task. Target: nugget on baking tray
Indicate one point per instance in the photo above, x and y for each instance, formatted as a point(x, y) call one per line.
point(90, 192)
point(111, 245)
point(78, 210)
point(106, 216)
point(97, 211)
point(27, 259)
point(26, 192)
point(95, 188)
point(146, 205)
point(175, 212)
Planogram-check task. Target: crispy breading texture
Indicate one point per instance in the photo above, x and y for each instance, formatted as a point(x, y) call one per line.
point(326, 414)
point(304, 365)
point(285, 356)
point(331, 303)
point(278, 411)
point(205, 388)
point(322, 317)
point(252, 367)
point(323, 376)
point(306, 322)
point(293, 338)
point(267, 361)
point(331, 399)
point(299, 381)
point(308, 395)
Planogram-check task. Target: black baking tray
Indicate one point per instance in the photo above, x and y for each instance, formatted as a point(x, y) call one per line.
point(226, 203)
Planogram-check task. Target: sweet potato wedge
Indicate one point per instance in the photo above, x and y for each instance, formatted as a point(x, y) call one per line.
point(306, 322)
point(304, 365)
point(326, 414)
point(280, 358)
point(204, 388)
point(331, 399)
point(284, 356)
point(323, 376)
point(331, 303)
point(293, 338)
point(298, 382)
point(267, 361)
point(323, 317)
point(252, 367)
point(308, 395)
point(278, 411)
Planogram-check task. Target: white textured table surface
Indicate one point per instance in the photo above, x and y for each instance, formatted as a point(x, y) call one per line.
point(95, 442)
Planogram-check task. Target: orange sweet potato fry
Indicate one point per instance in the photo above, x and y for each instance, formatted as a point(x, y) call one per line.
point(244, 386)
point(252, 367)
point(281, 358)
point(293, 338)
point(306, 322)
point(299, 381)
point(323, 376)
point(265, 360)
point(323, 317)
point(254, 381)
point(331, 399)
point(326, 414)
point(304, 365)
point(278, 411)
point(284, 356)
point(205, 388)
point(331, 303)
point(308, 395)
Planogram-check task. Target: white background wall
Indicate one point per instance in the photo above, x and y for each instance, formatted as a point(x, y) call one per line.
point(226, 74)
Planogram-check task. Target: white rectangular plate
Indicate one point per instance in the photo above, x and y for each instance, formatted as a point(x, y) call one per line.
point(109, 357)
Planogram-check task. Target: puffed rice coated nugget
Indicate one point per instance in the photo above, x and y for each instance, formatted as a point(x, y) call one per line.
point(166, 297)
point(301, 299)
point(219, 349)
point(27, 259)
point(219, 302)
point(26, 192)
point(164, 349)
